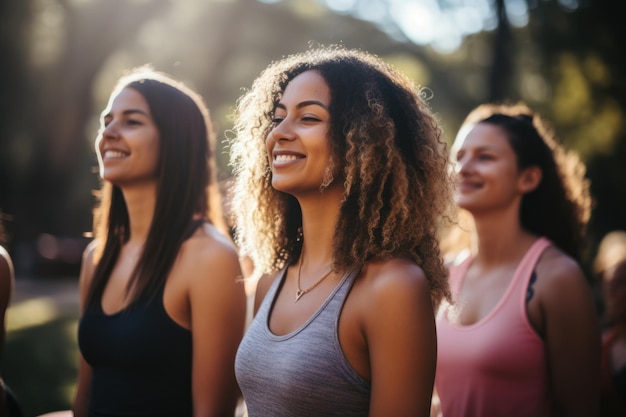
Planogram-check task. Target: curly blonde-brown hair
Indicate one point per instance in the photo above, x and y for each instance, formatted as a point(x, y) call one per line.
point(389, 147)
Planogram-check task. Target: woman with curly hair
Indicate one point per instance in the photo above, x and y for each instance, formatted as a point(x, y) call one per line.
point(522, 335)
point(341, 180)
point(162, 308)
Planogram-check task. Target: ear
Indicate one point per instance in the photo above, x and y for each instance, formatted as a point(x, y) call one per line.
point(529, 179)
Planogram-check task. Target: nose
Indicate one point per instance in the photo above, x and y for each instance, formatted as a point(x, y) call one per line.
point(106, 133)
point(109, 130)
point(283, 131)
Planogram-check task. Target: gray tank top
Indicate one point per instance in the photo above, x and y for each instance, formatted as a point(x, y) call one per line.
point(303, 373)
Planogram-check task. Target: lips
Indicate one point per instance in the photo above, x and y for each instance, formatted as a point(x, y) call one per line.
point(466, 186)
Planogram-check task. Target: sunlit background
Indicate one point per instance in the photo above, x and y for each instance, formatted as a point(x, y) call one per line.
point(60, 58)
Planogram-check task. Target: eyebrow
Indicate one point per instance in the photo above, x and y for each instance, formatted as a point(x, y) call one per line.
point(128, 112)
point(304, 104)
point(482, 148)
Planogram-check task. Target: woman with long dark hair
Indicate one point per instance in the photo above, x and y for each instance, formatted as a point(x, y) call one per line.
point(163, 308)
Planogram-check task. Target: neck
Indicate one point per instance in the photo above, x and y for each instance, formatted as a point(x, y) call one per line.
point(140, 203)
point(320, 214)
point(499, 238)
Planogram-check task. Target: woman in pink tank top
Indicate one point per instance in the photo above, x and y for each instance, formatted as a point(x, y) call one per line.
point(522, 336)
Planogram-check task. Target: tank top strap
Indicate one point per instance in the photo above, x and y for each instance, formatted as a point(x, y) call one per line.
point(329, 310)
point(529, 261)
point(345, 284)
point(272, 290)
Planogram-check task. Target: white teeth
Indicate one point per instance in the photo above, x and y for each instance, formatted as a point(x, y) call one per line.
point(285, 158)
point(114, 154)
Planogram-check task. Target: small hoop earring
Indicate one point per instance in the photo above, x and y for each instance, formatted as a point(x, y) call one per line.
point(328, 176)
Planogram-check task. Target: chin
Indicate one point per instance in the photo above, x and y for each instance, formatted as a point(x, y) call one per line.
point(464, 204)
point(280, 186)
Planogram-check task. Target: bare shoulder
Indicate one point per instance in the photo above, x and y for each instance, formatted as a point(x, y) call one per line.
point(392, 291)
point(560, 277)
point(89, 252)
point(88, 263)
point(209, 245)
point(555, 268)
point(6, 265)
point(393, 273)
point(6, 278)
point(209, 250)
point(394, 280)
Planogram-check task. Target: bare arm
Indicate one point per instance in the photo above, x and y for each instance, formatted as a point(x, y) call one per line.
point(7, 281)
point(402, 343)
point(81, 398)
point(218, 311)
point(572, 334)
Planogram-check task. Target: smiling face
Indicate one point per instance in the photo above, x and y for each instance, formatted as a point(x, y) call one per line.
point(487, 174)
point(298, 145)
point(128, 141)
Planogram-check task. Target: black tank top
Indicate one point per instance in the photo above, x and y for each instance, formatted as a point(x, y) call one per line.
point(141, 361)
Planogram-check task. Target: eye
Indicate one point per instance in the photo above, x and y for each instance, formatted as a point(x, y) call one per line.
point(310, 119)
point(277, 117)
point(276, 120)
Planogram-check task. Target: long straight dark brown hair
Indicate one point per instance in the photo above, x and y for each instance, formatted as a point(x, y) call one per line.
point(187, 187)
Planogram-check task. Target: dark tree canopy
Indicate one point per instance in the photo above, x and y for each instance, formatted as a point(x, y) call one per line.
point(61, 57)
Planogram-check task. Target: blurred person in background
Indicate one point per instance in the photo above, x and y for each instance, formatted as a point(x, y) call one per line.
point(521, 337)
point(341, 180)
point(610, 268)
point(162, 302)
point(7, 282)
point(8, 402)
point(611, 251)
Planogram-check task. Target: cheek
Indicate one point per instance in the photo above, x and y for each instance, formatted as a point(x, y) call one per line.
point(151, 152)
point(155, 145)
point(269, 144)
point(501, 171)
point(271, 136)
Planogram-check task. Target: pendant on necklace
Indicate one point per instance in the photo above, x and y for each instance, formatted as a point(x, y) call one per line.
point(299, 294)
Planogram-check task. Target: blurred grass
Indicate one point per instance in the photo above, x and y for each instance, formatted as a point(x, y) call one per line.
point(40, 358)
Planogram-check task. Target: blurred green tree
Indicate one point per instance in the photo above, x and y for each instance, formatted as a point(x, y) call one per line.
point(563, 57)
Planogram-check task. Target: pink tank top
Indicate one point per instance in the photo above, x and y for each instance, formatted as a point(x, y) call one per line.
point(498, 365)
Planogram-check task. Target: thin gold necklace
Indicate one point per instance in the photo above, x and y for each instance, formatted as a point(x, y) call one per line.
point(300, 291)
